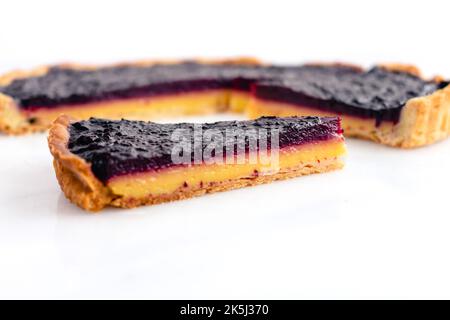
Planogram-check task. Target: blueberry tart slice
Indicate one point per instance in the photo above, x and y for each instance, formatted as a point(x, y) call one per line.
point(123, 163)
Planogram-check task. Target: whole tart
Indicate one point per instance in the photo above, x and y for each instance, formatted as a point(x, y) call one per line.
point(124, 163)
point(389, 104)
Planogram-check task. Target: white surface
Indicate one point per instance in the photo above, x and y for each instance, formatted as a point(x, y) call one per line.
point(377, 229)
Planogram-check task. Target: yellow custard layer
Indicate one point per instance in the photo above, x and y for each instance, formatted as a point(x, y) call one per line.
point(150, 108)
point(170, 180)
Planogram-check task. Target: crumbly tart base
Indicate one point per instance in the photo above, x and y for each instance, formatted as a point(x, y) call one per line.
point(424, 120)
point(82, 188)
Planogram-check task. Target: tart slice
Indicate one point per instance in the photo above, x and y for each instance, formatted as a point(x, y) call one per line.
point(125, 163)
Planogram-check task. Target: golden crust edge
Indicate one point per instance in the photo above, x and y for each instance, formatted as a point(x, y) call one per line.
point(11, 120)
point(423, 120)
point(73, 173)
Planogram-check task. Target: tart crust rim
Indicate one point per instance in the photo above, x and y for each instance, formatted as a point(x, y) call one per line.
point(73, 173)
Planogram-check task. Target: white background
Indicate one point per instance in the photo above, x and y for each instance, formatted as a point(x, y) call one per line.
point(377, 229)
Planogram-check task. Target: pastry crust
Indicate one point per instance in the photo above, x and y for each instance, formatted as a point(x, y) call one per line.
point(73, 173)
point(423, 120)
point(82, 188)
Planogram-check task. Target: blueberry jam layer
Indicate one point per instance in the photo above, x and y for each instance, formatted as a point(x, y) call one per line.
point(376, 94)
point(116, 148)
point(63, 86)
